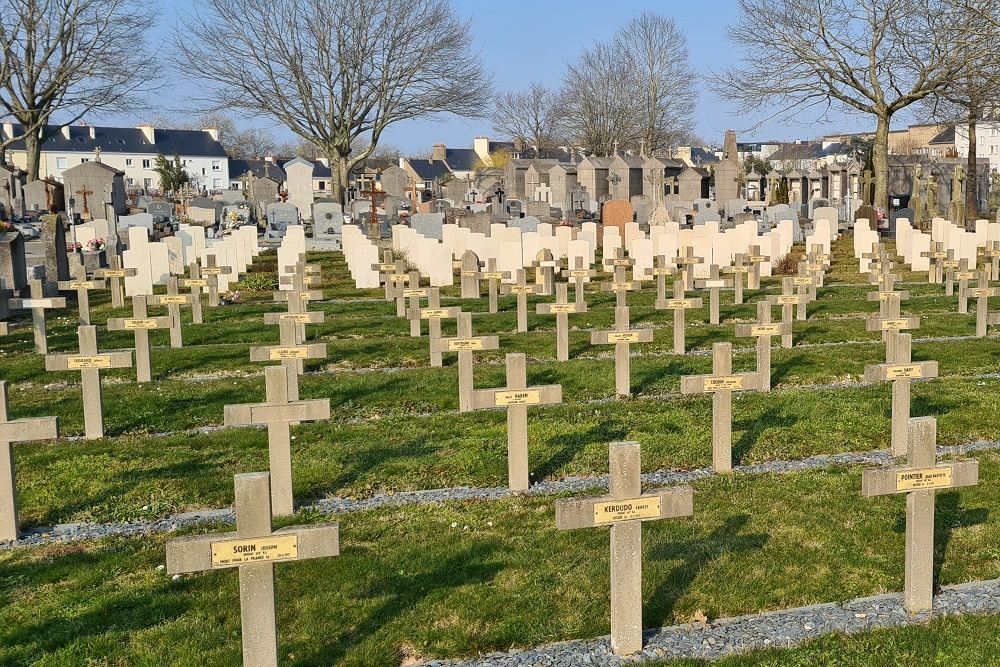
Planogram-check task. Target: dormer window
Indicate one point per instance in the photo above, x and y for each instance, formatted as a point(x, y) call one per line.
point(120, 141)
point(81, 140)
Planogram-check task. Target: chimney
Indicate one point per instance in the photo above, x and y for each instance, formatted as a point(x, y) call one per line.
point(325, 161)
point(91, 130)
point(8, 129)
point(268, 158)
point(149, 132)
point(482, 147)
point(439, 152)
point(65, 132)
point(212, 132)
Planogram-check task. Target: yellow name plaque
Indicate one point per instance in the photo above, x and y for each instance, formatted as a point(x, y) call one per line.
point(113, 273)
point(81, 284)
point(288, 353)
point(173, 299)
point(560, 308)
point(765, 330)
point(415, 292)
point(469, 344)
point(517, 397)
point(623, 336)
point(721, 383)
point(97, 361)
point(431, 313)
point(134, 323)
point(196, 282)
point(614, 511)
point(787, 299)
point(893, 325)
point(927, 478)
point(904, 371)
point(254, 550)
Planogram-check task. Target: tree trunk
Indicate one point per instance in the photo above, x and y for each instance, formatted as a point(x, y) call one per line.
point(343, 173)
point(880, 161)
point(33, 151)
point(972, 170)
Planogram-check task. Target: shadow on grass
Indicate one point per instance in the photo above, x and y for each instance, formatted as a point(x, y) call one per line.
point(566, 446)
point(753, 428)
point(695, 555)
point(781, 370)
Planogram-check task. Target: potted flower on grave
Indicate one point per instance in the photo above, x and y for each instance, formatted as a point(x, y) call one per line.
point(230, 297)
point(94, 254)
point(73, 246)
point(233, 219)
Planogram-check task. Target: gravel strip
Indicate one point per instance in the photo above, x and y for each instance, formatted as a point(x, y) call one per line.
point(784, 628)
point(70, 532)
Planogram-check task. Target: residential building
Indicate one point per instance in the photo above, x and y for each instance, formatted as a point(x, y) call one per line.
point(987, 142)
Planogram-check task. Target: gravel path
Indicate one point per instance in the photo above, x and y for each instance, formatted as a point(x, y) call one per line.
point(787, 627)
point(40, 536)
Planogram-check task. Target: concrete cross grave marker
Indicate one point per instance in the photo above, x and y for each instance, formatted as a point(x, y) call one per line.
point(254, 548)
point(561, 309)
point(991, 259)
point(406, 285)
point(290, 351)
point(82, 286)
point(686, 263)
point(622, 337)
point(763, 329)
point(38, 304)
point(679, 304)
point(433, 313)
point(579, 275)
point(713, 284)
point(492, 276)
point(545, 267)
point(721, 384)
point(624, 509)
point(11, 431)
point(738, 269)
point(521, 289)
point(140, 324)
point(755, 259)
point(950, 266)
point(278, 413)
point(464, 343)
point(617, 266)
point(963, 275)
point(982, 293)
point(516, 397)
point(804, 283)
point(394, 289)
point(89, 363)
point(115, 274)
point(196, 284)
point(173, 300)
point(891, 323)
point(919, 479)
point(386, 268)
point(298, 299)
point(788, 300)
point(889, 303)
point(900, 369)
point(211, 271)
point(661, 269)
point(937, 254)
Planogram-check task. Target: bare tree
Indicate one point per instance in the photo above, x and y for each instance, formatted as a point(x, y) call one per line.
point(63, 59)
point(636, 90)
point(874, 57)
point(532, 116)
point(336, 72)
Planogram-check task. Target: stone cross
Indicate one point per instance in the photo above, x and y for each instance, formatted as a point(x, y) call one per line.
point(919, 479)
point(622, 337)
point(394, 290)
point(949, 266)
point(38, 305)
point(678, 304)
point(515, 398)
point(196, 284)
point(739, 268)
point(721, 384)
point(386, 268)
point(290, 351)
point(298, 299)
point(981, 293)
point(900, 369)
point(212, 271)
point(661, 269)
point(11, 431)
point(464, 343)
point(991, 259)
point(493, 277)
point(763, 329)
point(140, 324)
point(278, 413)
point(470, 275)
point(82, 286)
point(963, 275)
point(579, 275)
point(561, 309)
point(889, 303)
point(173, 300)
point(521, 289)
point(545, 267)
point(624, 509)
point(115, 275)
point(788, 302)
point(254, 548)
point(892, 323)
point(686, 263)
point(755, 259)
point(713, 283)
point(433, 313)
point(414, 294)
point(805, 283)
point(617, 266)
point(89, 363)
point(936, 255)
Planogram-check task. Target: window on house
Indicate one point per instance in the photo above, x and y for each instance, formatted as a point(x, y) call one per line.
point(130, 181)
point(121, 142)
point(216, 165)
point(202, 171)
point(216, 183)
point(81, 140)
point(128, 162)
point(61, 163)
point(147, 182)
point(321, 185)
point(84, 159)
point(146, 164)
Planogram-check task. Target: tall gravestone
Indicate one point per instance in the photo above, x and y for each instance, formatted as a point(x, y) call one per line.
point(727, 171)
point(54, 238)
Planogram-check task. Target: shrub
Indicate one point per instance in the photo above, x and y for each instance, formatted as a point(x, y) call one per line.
point(786, 266)
point(259, 282)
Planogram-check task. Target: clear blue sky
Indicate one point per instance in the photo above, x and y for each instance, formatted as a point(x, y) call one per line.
point(522, 41)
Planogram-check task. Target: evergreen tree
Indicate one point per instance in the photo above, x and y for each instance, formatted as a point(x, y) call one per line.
point(171, 172)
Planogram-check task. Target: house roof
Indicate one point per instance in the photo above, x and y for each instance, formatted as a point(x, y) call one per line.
point(260, 169)
point(461, 159)
point(195, 143)
point(702, 156)
point(428, 170)
point(320, 170)
point(945, 136)
point(812, 150)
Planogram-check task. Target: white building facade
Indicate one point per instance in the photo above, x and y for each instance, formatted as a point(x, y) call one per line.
point(987, 142)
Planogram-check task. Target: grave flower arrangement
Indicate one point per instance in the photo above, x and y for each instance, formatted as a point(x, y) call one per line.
point(7, 226)
point(74, 247)
point(96, 244)
point(231, 297)
point(234, 218)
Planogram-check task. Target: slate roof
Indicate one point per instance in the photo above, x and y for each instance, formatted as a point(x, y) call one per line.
point(812, 150)
point(239, 168)
point(945, 136)
point(192, 143)
point(461, 159)
point(428, 170)
point(702, 156)
point(320, 170)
